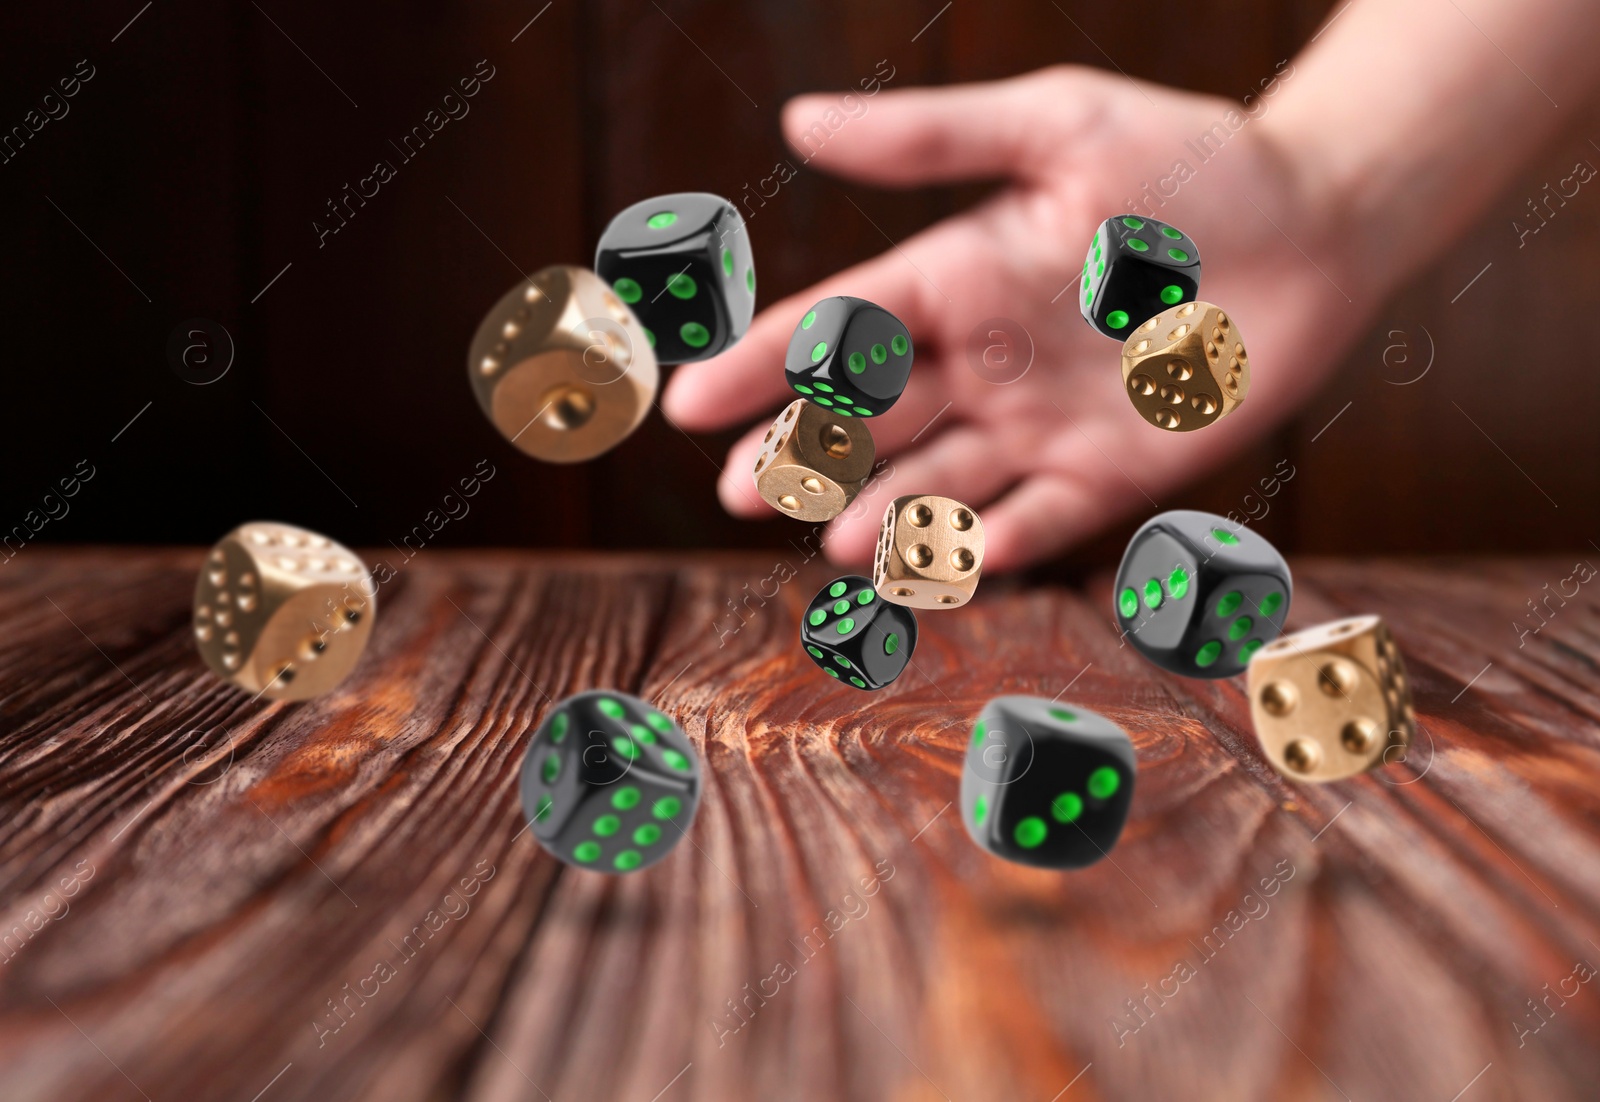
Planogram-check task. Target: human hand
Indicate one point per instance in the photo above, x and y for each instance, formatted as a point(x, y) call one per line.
point(1060, 452)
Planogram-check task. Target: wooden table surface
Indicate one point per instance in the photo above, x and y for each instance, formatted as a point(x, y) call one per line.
point(192, 883)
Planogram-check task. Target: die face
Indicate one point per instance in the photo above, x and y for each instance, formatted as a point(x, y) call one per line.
point(854, 637)
point(683, 263)
point(1186, 368)
point(930, 552)
point(849, 355)
point(1046, 783)
point(281, 611)
point(1332, 701)
point(1136, 268)
point(228, 609)
point(562, 367)
point(1198, 596)
point(1155, 593)
point(813, 462)
point(609, 783)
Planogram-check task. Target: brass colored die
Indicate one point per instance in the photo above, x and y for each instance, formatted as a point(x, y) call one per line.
point(282, 612)
point(1331, 701)
point(930, 552)
point(813, 462)
point(562, 367)
point(1186, 368)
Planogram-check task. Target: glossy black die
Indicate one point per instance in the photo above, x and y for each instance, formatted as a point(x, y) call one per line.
point(1198, 594)
point(849, 355)
point(1137, 267)
point(609, 783)
point(683, 265)
point(1046, 783)
point(855, 636)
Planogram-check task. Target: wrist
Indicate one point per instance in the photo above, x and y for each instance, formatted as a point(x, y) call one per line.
point(1349, 211)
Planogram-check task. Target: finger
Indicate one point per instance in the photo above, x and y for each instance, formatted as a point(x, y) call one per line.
point(1040, 517)
point(960, 464)
point(741, 383)
point(1080, 489)
point(748, 379)
point(932, 135)
point(736, 486)
point(853, 535)
point(922, 412)
point(891, 433)
point(965, 463)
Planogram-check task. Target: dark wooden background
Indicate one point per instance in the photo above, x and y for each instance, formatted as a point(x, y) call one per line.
point(206, 144)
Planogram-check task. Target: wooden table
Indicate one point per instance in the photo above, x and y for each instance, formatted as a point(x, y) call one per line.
point(191, 883)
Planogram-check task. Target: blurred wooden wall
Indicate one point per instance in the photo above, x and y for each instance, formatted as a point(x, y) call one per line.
point(207, 143)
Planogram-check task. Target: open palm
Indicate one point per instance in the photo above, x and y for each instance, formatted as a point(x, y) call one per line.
point(1052, 455)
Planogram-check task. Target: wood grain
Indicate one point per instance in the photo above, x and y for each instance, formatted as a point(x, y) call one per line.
point(828, 931)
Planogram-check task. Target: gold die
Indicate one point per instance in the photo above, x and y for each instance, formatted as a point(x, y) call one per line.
point(813, 462)
point(562, 367)
point(282, 612)
point(1186, 368)
point(1331, 701)
point(930, 552)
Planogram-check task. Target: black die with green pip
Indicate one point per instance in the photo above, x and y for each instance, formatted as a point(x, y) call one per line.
point(1137, 267)
point(683, 265)
point(855, 636)
point(609, 783)
point(1046, 783)
point(1198, 594)
point(849, 355)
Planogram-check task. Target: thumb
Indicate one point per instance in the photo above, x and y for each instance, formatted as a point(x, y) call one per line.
point(1006, 128)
